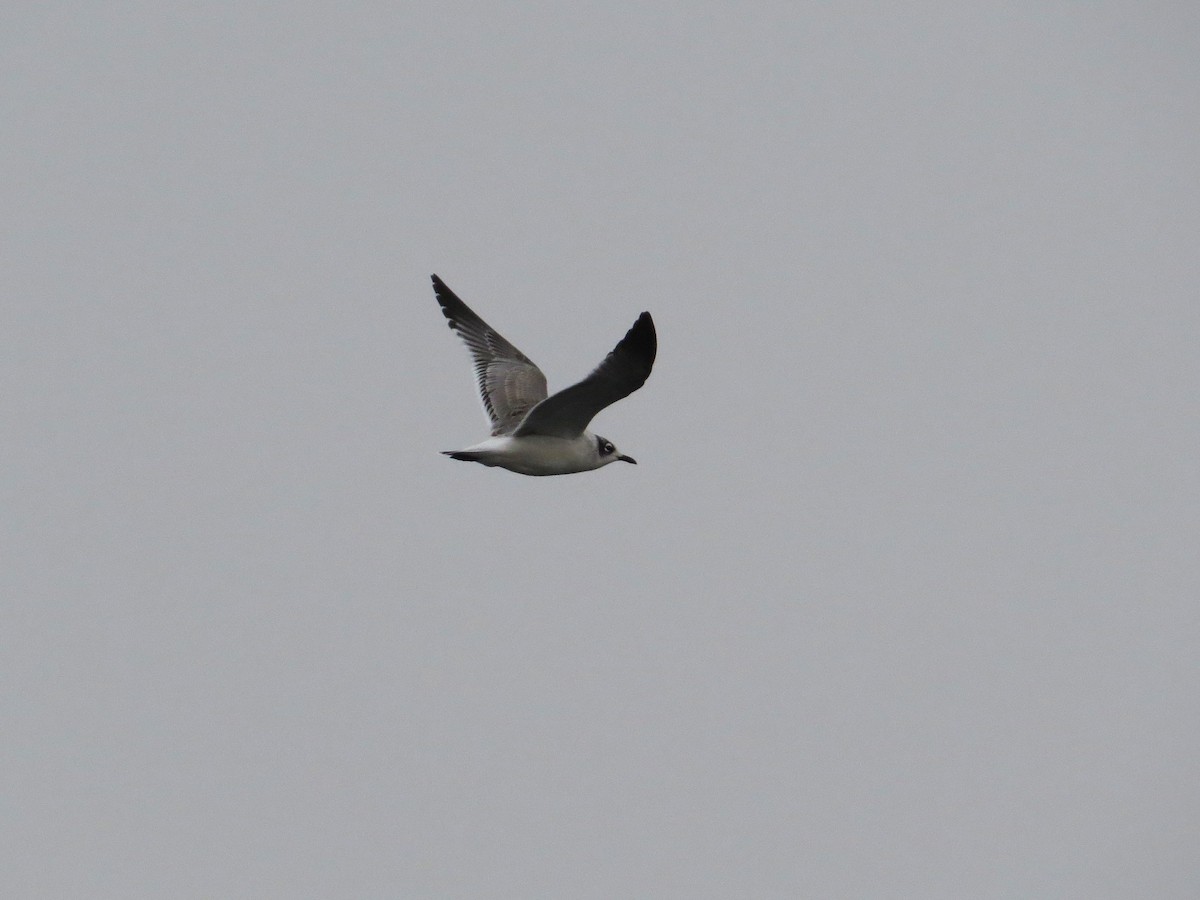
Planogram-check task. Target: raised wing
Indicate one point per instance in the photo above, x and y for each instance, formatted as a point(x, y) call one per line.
point(623, 371)
point(509, 384)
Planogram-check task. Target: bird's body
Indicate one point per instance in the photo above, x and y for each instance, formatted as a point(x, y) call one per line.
point(537, 434)
point(537, 454)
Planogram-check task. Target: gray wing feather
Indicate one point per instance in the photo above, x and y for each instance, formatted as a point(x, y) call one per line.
point(509, 384)
point(623, 371)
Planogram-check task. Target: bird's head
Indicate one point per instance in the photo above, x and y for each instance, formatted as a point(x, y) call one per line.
point(609, 453)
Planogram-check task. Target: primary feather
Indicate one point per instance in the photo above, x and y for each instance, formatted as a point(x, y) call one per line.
point(510, 385)
point(623, 371)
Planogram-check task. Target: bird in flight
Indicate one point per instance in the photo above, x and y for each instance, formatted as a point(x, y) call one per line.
point(536, 434)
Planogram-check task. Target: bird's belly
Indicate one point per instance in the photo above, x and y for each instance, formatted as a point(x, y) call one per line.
point(537, 454)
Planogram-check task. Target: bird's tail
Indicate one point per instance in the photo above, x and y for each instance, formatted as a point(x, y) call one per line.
point(467, 455)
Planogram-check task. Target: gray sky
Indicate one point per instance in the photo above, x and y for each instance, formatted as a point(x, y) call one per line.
point(901, 601)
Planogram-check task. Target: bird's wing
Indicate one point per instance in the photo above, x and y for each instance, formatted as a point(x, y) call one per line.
point(623, 371)
point(509, 384)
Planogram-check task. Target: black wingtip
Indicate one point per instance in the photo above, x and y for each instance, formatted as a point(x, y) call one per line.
point(449, 301)
point(642, 340)
point(441, 289)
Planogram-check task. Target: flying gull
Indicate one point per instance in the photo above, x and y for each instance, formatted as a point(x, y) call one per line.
point(536, 434)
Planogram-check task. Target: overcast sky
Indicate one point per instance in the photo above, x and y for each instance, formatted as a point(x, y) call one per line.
point(901, 600)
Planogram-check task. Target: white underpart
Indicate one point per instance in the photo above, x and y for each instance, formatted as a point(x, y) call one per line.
point(540, 454)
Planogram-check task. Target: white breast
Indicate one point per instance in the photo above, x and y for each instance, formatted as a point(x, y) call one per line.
point(539, 454)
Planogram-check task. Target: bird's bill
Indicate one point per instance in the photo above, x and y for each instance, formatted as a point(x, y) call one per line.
point(628, 459)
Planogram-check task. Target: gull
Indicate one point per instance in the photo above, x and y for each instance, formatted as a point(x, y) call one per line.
point(536, 434)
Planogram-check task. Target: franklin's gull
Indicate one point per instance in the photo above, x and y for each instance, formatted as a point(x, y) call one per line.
point(536, 434)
